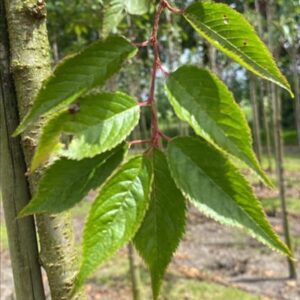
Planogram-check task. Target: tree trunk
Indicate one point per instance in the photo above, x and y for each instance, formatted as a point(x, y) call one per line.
point(137, 290)
point(276, 103)
point(265, 118)
point(256, 125)
point(294, 53)
point(276, 98)
point(15, 191)
point(30, 65)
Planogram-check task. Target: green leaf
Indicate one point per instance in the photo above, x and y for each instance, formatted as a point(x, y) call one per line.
point(113, 11)
point(164, 224)
point(67, 182)
point(98, 123)
point(218, 190)
point(137, 7)
point(231, 33)
point(112, 14)
point(79, 73)
point(115, 215)
point(201, 99)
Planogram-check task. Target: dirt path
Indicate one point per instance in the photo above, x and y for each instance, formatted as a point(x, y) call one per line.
point(230, 257)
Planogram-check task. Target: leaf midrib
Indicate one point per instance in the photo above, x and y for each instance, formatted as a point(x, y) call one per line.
point(192, 20)
point(220, 129)
point(229, 197)
point(100, 123)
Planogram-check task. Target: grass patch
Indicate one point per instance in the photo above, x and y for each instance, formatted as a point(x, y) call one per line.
point(3, 237)
point(293, 205)
point(195, 290)
point(291, 162)
point(115, 274)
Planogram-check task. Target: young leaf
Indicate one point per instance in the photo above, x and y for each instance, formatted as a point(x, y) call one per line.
point(98, 123)
point(112, 14)
point(163, 226)
point(115, 215)
point(231, 33)
point(218, 190)
point(137, 7)
point(66, 182)
point(201, 99)
point(79, 73)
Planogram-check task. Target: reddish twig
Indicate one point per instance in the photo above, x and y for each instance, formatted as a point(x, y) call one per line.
point(139, 142)
point(143, 104)
point(171, 8)
point(156, 134)
point(143, 44)
point(165, 137)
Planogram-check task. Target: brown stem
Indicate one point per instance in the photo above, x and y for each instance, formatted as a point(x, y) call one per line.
point(139, 142)
point(172, 9)
point(156, 134)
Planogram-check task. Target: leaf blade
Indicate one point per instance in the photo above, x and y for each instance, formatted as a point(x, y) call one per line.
point(202, 100)
point(79, 73)
point(102, 122)
point(112, 14)
point(115, 215)
point(218, 190)
point(137, 7)
point(222, 27)
point(164, 223)
point(66, 181)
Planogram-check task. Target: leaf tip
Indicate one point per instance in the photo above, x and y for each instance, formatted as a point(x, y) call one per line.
point(25, 212)
point(18, 131)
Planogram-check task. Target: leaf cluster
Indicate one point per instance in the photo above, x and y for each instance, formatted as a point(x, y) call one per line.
point(143, 197)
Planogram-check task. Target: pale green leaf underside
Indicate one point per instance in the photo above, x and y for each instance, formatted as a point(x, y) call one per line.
point(115, 215)
point(137, 7)
point(113, 11)
point(218, 189)
point(112, 15)
point(102, 122)
point(164, 223)
point(203, 100)
point(79, 73)
point(66, 182)
point(231, 33)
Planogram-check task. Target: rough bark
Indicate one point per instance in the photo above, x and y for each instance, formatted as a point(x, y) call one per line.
point(276, 104)
point(30, 65)
point(21, 233)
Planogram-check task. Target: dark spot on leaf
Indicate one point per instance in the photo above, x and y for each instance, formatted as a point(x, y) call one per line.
point(226, 21)
point(245, 43)
point(74, 108)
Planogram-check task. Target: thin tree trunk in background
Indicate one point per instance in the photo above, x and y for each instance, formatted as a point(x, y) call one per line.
point(55, 50)
point(266, 124)
point(276, 103)
point(265, 117)
point(213, 59)
point(294, 52)
point(256, 125)
point(172, 58)
point(30, 65)
point(255, 110)
point(276, 98)
point(15, 192)
point(137, 290)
